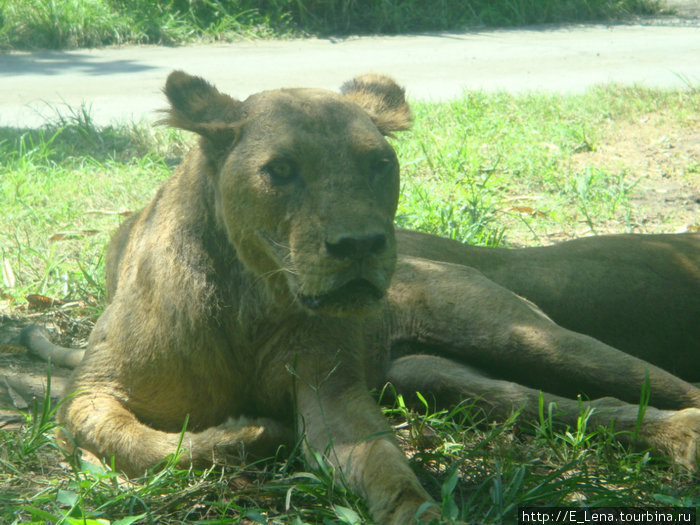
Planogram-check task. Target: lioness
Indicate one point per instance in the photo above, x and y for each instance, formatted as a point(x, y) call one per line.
point(260, 291)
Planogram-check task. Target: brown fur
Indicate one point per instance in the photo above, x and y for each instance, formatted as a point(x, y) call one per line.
point(261, 290)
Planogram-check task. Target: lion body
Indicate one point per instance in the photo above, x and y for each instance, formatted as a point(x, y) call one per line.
point(637, 293)
point(260, 291)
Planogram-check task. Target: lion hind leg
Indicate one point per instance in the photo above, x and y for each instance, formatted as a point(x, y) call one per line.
point(101, 424)
point(669, 432)
point(458, 313)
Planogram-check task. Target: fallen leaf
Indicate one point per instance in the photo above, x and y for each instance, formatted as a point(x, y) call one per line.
point(124, 213)
point(62, 236)
point(528, 210)
point(41, 301)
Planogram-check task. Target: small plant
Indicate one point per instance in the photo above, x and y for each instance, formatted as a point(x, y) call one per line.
point(89, 23)
point(35, 432)
point(567, 444)
point(598, 194)
point(461, 206)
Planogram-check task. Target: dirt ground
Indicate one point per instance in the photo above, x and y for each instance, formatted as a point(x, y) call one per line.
point(665, 159)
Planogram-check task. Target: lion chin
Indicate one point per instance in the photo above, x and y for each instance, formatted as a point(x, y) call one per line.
point(356, 297)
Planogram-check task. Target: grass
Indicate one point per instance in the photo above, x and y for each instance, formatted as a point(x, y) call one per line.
point(490, 169)
point(60, 24)
point(476, 472)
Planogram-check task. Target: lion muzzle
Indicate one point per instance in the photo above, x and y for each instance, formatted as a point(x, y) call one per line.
point(356, 294)
point(357, 247)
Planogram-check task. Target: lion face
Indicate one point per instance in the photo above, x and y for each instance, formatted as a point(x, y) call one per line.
point(306, 188)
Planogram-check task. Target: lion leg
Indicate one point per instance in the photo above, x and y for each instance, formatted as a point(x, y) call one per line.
point(637, 293)
point(347, 424)
point(101, 424)
point(455, 311)
point(672, 433)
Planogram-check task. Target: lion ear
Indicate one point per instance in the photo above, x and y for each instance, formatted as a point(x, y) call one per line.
point(196, 105)
point(382, 98)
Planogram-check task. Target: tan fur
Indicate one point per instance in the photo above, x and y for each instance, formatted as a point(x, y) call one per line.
point(261, 290)
point(382, 99)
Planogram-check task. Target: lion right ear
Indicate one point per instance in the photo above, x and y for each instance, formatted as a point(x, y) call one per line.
point(196, 105)
point(383, 99)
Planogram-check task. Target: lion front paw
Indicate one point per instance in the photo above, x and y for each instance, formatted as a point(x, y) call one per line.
point(237, 440)
point(678, 435)
point(683, 431)
point(415, 511)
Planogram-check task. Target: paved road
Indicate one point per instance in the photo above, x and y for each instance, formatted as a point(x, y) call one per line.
point(121, 84)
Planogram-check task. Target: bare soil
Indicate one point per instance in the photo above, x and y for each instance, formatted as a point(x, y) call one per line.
point(664, 158)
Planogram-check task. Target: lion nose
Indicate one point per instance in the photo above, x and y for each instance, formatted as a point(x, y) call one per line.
point(357, 247)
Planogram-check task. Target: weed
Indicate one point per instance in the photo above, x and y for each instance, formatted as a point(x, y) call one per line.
point(598, 194)
point(476, 472)
point(59, 24)
point(39, 422)
point(86, 23)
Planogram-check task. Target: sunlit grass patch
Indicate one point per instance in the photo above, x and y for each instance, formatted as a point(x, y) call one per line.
point(520, 169)
point(60, 24)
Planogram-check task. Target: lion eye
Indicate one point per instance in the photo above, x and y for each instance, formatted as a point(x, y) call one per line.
point(280, 171)
point(382, 165)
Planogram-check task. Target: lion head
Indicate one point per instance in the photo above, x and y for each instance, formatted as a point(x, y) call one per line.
point(306, 184)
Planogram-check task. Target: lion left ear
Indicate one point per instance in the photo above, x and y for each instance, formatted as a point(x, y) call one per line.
point(196, 105)
point(383, 99)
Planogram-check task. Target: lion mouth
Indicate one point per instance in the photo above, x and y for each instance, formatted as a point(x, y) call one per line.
point(355, 294)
